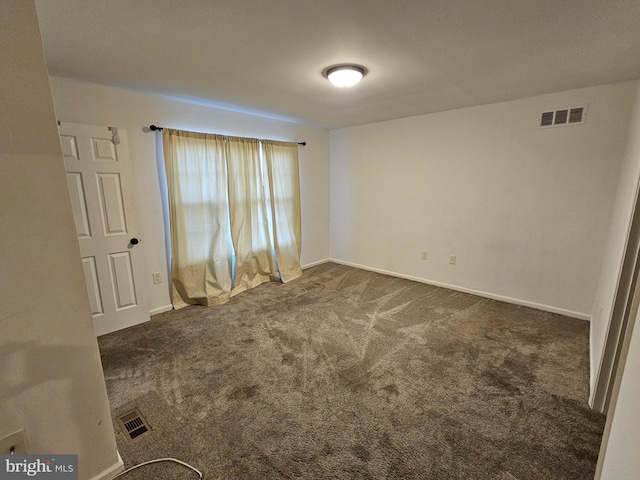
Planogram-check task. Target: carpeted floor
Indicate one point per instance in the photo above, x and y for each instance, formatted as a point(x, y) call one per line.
point(348, 374)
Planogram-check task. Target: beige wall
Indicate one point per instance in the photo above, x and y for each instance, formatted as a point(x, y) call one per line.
point(526, 210)
point(51, 383)
point(80, 102)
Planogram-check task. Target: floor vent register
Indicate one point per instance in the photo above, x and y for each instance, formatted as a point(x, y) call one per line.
point(133, 424)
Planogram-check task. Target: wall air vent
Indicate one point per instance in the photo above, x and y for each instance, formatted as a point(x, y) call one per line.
point(563, 116)
point(546, 119)
point(576, 115)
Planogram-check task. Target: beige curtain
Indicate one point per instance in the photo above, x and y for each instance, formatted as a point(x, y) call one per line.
point(249, 221)
point(230, 204)
point(282, 165)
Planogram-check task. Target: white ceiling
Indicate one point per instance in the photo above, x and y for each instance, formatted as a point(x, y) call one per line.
point(266, 57)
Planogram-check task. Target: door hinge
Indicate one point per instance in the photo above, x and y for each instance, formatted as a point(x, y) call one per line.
point(115, 138)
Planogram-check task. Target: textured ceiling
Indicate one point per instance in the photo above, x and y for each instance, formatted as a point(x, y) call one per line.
point(266, 57)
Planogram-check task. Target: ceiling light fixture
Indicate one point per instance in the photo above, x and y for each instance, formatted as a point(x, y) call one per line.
point(345, 75)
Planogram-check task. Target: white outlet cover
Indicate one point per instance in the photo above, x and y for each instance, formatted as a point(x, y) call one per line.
point(17, 441)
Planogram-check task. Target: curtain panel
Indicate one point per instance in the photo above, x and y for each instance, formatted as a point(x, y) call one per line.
point(234, 210)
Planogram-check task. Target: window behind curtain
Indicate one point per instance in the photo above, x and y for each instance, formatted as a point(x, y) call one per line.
point(234, 207)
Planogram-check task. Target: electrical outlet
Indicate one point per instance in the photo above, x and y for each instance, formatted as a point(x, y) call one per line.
point(157, 278)
point(15, 443)
point(423, 255)
point(452, 259)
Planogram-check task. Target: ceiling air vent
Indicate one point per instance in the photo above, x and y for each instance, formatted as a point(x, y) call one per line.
point(563, 116)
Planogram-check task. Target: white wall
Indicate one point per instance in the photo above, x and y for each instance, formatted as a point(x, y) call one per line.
point(100, 105)
point(51, 382)
point(618, 458)
point(615, 248)
point(526, 210)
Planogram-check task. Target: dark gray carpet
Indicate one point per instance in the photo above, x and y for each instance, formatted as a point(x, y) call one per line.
point(348, 374)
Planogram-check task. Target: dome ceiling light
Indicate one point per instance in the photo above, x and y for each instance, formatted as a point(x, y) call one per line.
point(345, 75)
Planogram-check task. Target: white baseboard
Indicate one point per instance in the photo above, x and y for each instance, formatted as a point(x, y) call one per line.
point(112, 471)
point(158, 310)
point(480, 293)
point(313, 264)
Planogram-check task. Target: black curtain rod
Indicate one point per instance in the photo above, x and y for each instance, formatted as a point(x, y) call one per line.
point(154, 128)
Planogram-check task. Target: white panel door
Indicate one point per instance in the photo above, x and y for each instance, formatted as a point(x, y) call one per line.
point(99, 177)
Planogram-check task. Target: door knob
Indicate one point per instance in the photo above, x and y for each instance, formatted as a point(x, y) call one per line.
point(134, 241)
